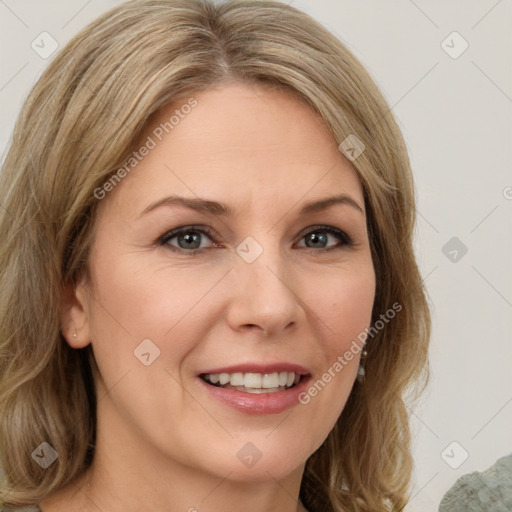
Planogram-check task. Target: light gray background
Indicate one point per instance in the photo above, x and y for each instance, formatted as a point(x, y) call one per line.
point(456, 116)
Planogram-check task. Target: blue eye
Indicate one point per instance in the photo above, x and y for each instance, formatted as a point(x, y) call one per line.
point(324, 231)
point(189, 239)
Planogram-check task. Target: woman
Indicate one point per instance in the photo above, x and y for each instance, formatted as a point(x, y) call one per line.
point(209, 291)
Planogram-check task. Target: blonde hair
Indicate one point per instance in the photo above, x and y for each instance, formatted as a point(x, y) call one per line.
point(80, 123)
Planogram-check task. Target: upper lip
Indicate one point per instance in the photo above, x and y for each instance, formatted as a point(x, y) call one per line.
point(259, 368)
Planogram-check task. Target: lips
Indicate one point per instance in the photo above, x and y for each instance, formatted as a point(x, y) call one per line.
point(256, 388)
point(260, 403)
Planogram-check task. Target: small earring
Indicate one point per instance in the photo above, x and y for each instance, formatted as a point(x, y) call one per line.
point(360, 371)
point(74, 334)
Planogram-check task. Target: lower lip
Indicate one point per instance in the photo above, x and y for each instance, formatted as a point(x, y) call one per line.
point(263, 403)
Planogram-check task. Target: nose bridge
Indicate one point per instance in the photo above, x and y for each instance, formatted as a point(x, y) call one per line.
point(264, 295)
point(261, 257)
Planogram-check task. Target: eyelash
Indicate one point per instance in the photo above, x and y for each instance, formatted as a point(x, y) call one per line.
point(345, 239)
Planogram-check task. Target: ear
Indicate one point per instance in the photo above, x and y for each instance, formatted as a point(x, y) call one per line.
point(74, 316)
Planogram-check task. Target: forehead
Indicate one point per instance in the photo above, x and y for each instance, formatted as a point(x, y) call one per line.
point(244, 144)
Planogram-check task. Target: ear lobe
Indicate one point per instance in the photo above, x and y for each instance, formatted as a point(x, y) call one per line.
point(74, 316)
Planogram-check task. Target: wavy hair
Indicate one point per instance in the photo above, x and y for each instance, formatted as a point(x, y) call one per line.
point(80, 123)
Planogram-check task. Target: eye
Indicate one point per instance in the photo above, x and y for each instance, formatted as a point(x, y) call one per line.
point(319, 236)
point(188, 239)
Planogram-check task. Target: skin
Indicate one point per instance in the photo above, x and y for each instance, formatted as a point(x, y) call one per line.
point(163, 443)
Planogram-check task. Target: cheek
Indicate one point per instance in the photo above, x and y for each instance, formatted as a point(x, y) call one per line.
point(172, 307)
point(136, 299)
point(344, 302)
point(344, 306)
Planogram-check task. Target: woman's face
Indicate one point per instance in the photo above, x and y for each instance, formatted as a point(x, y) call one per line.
point(264, 289)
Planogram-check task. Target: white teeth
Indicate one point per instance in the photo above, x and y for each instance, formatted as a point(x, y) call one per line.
point(257, 382)
point(270, 380)
point(251, 380)
point(237, 379)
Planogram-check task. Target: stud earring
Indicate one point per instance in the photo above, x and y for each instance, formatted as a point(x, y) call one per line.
point(74, 334)
point(360, 371)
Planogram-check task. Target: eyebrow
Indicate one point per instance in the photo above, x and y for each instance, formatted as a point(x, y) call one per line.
point(218, 208)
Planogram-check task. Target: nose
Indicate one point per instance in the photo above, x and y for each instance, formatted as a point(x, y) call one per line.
point(264, 294)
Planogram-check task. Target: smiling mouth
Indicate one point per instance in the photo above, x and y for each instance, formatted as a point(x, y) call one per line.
point(256, 383)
